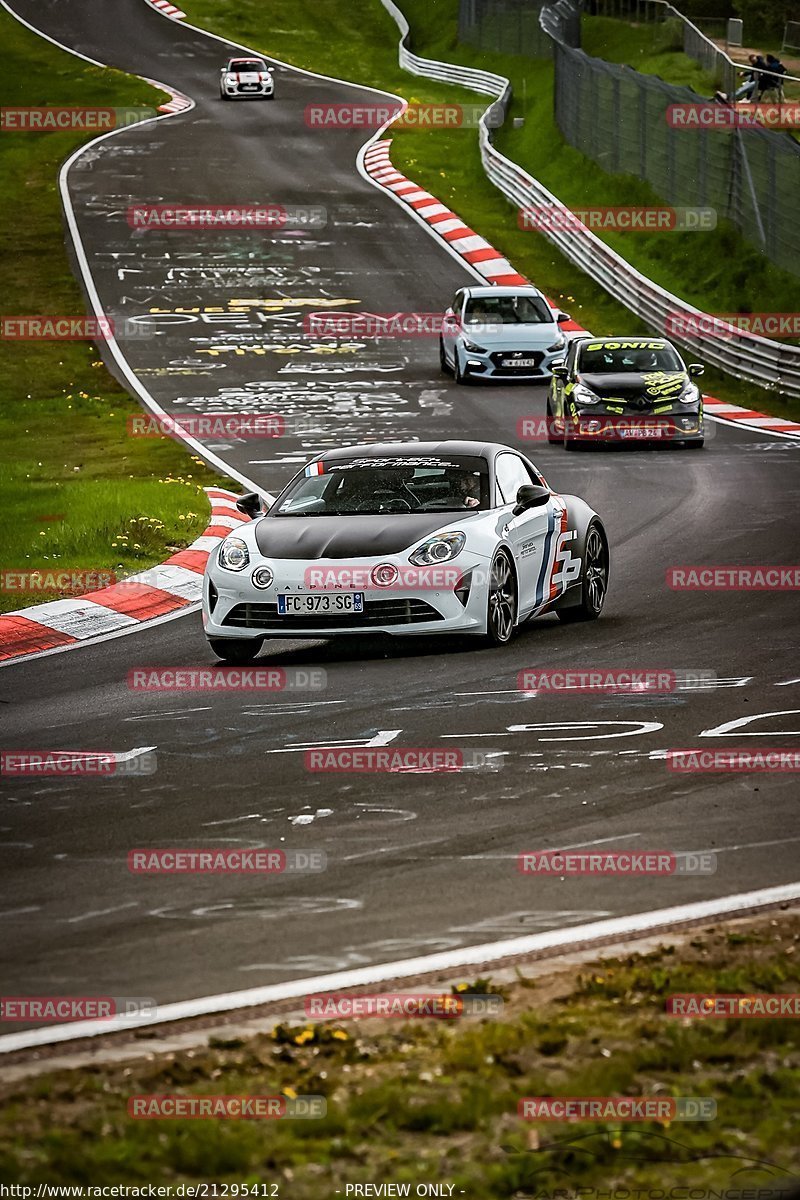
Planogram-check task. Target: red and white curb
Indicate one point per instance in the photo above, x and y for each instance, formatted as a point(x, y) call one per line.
point(173, 585)
point(465, 242)
point(167, 9)
point(477, 252)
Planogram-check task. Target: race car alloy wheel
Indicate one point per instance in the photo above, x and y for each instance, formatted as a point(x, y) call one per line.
point(501, 605)
point(236, 650)
point(595, 579)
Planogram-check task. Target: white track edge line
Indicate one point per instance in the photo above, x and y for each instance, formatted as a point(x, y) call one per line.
point(619, 928)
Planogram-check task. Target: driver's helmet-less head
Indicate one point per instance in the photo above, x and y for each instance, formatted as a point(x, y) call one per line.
point(645, 360)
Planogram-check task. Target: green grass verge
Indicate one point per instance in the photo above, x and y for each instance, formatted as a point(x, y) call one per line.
point(653, 49)
point(715, 270)
point(72, 480)
point(436, 1101)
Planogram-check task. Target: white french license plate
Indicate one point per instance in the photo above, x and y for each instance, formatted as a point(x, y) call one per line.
point(520, 362)
point(322, 603)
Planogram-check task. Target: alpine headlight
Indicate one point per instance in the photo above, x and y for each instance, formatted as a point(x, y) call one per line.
point(233, 554)
point(473, 346)
point(438, 549)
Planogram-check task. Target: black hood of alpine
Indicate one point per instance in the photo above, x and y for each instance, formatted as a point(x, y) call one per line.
point(651, 387)
point(356, 536)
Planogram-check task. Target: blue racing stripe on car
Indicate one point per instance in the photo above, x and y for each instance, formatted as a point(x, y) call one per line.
point(543, 567)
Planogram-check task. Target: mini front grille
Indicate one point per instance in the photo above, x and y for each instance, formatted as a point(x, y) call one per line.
point(376, 612)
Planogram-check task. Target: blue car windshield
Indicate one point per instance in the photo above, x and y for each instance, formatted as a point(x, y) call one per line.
point(508, 310)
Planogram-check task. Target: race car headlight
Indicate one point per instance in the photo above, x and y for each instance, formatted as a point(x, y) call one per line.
point(582, 395)
point(557, 345)
point(438, 549)
point(689, 394)
point(262, 577)
point(473, 347)
point(233, 554)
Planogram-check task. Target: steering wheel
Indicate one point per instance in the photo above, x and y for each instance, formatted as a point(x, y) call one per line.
point(390, 503)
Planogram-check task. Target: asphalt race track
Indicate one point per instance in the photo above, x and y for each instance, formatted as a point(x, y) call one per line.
point(416, 863)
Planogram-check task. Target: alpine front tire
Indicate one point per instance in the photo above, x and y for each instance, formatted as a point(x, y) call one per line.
point(594, 583)
point(501, 602)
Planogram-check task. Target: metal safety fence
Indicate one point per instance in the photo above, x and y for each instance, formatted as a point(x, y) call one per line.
point(625, 121)
point(743, 355)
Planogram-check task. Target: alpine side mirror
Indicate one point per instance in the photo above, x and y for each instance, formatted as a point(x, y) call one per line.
point(562, 317)
point(560, 371)
point(530, 495)
point(695, 369)
point(250, 505)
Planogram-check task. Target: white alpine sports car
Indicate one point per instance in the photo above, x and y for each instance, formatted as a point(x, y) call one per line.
point(405, 538)
point(246, 78)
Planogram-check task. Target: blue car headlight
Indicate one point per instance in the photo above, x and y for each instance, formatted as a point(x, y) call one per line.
point(438, 549)
point(233, 554)
point(473, 347)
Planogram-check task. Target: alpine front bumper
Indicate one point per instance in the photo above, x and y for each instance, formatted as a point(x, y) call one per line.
point(233, 607)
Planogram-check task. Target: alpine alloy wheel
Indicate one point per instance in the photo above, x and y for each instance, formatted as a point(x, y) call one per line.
point(595, 579)
point(501, 605)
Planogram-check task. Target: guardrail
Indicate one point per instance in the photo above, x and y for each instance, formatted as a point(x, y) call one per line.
point(744, 355)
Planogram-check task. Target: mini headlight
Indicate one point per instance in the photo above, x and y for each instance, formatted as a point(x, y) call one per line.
point(233, 554)
point(262, 577)
point(438, 549)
